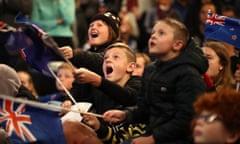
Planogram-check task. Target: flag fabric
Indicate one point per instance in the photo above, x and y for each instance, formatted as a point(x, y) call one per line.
point(5, 31)
point(35, 45)
point(27, 124)
point(50, 97)
point(222, 28)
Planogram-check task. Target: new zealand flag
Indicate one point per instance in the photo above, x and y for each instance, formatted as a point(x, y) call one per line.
point(27, 124)
point(223, 29)
point(35, 45)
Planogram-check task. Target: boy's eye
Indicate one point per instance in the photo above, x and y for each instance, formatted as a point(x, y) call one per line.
point(105, 57)
point(160, 32)
point(115, 57)
point(209, 57)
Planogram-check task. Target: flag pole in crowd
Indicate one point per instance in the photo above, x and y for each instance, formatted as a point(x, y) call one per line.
point(62, 85)
point(46, 106)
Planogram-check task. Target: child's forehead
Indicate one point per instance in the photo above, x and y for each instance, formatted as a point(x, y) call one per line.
point(64, 69)
point(115, 50)
point(162, 25)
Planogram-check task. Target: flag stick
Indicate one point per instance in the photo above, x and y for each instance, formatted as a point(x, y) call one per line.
point(46, 106)
point(64, 88)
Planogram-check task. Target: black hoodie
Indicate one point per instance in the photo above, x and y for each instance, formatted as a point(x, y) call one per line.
point(168, 92)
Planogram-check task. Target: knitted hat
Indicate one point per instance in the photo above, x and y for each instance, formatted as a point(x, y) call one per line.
point(111, 19)
point(10, 82)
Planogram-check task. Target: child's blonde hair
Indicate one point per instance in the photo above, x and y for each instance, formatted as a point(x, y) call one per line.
point(128, 51)
point(145, 57)
point(65, 65)
point(180, 30)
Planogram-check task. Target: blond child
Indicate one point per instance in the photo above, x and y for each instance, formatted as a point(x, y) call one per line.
point(142, 60)
point(117, 89)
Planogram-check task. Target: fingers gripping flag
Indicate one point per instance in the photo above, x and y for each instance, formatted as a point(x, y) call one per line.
point(223, 29)
point(28, 124)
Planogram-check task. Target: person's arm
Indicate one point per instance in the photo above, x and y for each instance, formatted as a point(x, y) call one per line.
point(126, 95)
point(90, 60)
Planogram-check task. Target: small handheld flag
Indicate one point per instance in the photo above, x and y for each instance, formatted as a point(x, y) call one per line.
point(222, 28)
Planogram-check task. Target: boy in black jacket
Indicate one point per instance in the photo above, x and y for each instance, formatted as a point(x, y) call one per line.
point(170, 85)
point(118, 89)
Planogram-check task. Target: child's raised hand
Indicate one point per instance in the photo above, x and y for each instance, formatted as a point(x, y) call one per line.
point(83, 75)
point(66, 51)
point(114, 116)
point(91, 121)
point(67, 105)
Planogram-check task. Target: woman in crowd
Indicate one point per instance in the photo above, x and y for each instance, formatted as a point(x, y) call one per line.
point(219, 69)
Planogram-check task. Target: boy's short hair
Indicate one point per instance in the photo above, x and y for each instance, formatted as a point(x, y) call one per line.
point(146, 58)
point(65, 65)
point(180, 30)
point(128, 51)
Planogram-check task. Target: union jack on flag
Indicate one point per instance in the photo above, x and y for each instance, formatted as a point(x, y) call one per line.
point(28, 124)
point(16, 120)
point(222, 28)
point(215, 19)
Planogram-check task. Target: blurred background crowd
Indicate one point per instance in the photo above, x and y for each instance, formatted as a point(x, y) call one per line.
point(137, 20)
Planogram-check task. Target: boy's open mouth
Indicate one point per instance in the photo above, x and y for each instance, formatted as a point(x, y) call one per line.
point(109, 70)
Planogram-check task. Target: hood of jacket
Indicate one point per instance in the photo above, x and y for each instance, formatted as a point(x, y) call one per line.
point(191, 55)
point(10, 82)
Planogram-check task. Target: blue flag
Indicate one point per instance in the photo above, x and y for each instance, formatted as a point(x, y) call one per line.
point(222, 28)
point(50, 97)
point(35, 45)
point(27, 124)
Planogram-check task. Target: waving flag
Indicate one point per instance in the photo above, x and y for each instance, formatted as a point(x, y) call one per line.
point(223, 29)
point(27, 124)
point(35, 45)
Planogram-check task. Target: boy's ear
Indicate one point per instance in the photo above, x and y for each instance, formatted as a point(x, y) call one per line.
point(178, 45)
point(131, 66)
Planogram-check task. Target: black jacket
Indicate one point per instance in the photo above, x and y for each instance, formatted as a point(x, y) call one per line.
point(168, 92)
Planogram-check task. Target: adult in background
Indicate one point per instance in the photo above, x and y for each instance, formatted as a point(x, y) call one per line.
point(56, 17)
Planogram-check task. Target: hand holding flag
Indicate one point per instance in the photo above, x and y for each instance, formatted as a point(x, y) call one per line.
point(27, 124)
point(35, 45)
